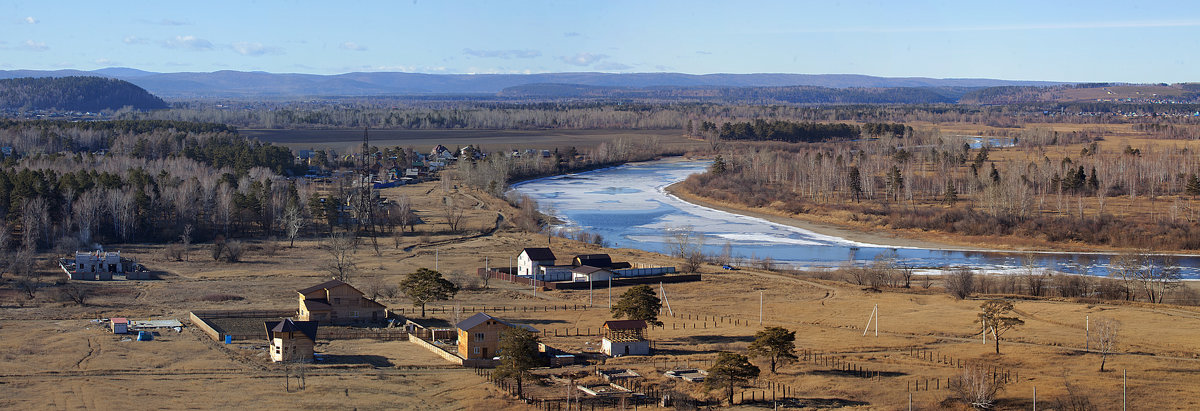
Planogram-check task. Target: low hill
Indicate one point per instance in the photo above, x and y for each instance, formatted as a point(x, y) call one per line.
point(246, 84)
point(757, 95)
point(75, 93)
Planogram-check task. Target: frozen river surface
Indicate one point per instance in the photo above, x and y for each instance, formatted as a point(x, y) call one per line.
point(629, 207)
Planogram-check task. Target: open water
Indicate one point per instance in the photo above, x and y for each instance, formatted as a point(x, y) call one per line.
point(629, 207)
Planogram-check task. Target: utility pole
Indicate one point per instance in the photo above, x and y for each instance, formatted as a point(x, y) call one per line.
point(1087, 346)
point(760, 307)
point(1124, 389)
point(589, 290)
point(610, 291)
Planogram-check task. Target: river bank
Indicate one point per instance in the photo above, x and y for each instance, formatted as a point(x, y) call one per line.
point(889, 238)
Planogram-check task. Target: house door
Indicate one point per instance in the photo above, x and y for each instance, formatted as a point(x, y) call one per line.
point(626, 350)
point(485, 355)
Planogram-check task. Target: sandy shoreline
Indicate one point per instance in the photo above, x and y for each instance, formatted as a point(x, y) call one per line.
point(878, 237)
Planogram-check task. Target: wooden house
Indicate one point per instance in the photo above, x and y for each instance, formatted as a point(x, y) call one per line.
point(479, 336)
point(625, 337)
point(336, 302)
point(292, 341)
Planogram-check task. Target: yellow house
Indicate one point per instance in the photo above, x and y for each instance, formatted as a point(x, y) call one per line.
point(336, 302)
point(292, 341)
point(479, 336)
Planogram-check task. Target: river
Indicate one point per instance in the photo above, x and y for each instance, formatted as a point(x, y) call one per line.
point(629, 207)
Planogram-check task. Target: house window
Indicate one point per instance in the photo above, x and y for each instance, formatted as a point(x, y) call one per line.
point(478, 336)
point(337, 301)
point(476, 350)
point(354, 314)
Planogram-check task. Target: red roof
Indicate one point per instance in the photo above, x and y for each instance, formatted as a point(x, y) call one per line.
point(119, 320)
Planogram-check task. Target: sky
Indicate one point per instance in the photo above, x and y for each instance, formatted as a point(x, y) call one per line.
point(1129, 41)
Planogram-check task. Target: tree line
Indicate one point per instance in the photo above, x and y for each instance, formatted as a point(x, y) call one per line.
point(934, 182)
point(381, 113)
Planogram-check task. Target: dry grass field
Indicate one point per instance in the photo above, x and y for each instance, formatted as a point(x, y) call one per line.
point(56, 357)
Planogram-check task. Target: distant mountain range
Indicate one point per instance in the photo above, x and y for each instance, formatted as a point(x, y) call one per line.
point(242, 84)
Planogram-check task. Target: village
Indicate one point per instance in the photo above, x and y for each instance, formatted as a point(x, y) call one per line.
point(278, 323)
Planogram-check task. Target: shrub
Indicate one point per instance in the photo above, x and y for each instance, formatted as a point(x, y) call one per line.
point(234, 251)
point(222, 298)
point(960, 283)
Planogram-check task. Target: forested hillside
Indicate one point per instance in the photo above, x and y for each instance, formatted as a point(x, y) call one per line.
point(74, 94)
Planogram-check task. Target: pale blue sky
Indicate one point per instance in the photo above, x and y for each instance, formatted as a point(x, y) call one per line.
point(1127, 41)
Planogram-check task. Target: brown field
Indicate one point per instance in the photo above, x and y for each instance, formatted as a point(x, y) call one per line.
point(489, 140)
point(55, 357)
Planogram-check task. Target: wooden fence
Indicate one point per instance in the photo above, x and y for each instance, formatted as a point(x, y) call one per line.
point(385, 334)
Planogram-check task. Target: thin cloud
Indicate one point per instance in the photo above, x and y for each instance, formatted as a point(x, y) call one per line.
point(247, 48)
point(31, 20)
point(134, 40)
point(703, 52)
point(106, 62)
point(34, 45)
point(188, 43)
point(583, 59)
point(504, 54)
point(1011, 27)
point(613, 66)
point(168, 22)
point(350, 45)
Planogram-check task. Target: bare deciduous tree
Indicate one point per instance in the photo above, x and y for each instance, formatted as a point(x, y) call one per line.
point(293, 221)
point(684, 242)
point(1103, 336)
point(75, 293)
point(960, 283)
point(340, 247)
point(186, 239)
point(453, 213)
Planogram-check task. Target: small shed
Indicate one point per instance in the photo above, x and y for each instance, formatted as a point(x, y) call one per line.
point(590, 273)
point(119, 325)
point(625, 337)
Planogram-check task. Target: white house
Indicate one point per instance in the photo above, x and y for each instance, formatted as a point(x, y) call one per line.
point(96, 265)
point(625, 337)
point(532, 258)
point(588, 273)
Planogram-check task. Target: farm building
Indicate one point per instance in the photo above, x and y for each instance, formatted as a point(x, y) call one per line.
point(336, 302)
point(430, 328)
point(589, 273)
point(625, 337)
point(479, 336)
point(532, 258)
point(119, 325)
point(292, 341)
point(94, 265)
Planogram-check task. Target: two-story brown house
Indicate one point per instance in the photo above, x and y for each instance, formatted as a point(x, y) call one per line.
point(479, 336)
point(292, 341)
point(335, 302)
